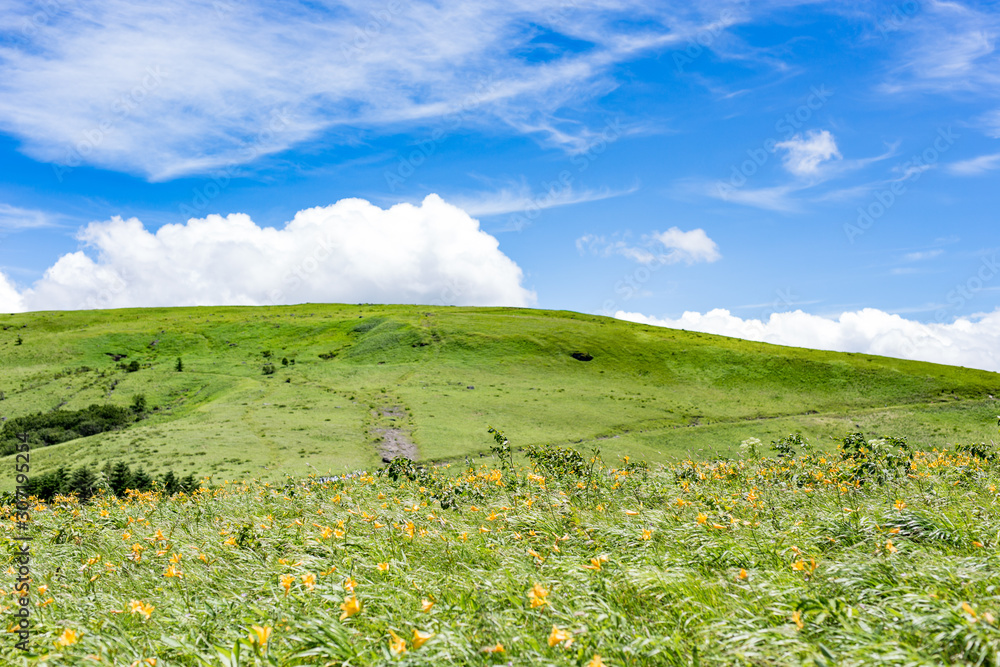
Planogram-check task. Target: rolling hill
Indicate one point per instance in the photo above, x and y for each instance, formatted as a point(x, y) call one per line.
point(270, 391)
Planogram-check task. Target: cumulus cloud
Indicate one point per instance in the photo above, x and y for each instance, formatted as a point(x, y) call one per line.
point(973, 342)
point(351, 251)
point(670, 247)
point(10, 299)
point(805, 154)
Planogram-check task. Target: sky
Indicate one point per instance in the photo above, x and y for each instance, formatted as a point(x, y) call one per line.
point(819, 174)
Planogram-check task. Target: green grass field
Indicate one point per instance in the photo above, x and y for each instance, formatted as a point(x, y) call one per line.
point(431, 378)
point(812, 560)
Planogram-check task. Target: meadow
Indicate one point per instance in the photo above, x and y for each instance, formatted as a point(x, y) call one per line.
point(266, 392)
point(873, 554)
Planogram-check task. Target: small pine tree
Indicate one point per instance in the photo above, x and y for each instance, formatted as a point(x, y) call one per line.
point(139, 404)
point(180, 365)
point(19, 340)
point(170, 483)
point(284, 361)
point(141, 481)
point(83, 482)
point(120, 478)
point(189, 484)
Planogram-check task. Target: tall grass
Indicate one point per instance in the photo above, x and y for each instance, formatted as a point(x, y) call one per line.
point(798, 560)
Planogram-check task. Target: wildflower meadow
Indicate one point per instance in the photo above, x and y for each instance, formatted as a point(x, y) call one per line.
point(871, 554)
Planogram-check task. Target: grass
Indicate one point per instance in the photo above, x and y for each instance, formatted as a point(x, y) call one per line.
point(815, 559)
point(440, 375)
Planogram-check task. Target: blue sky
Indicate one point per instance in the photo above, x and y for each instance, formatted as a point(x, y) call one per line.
point(815, 173)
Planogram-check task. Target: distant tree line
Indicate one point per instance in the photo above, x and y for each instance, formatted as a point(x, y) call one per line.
point(51, 428)
point(116, 477)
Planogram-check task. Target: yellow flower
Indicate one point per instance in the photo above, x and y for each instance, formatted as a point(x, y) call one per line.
point(176, 558)
point(68, 638)
point(326, 532)
point(383, 567)
point(560, 636)
point(309, 580)
point(231, 541)
point(631, 513)
point(888, 547)
point(396, 644)
point(426, 605)
point(420, 638)
point(537, 596)
point(967, 608)
point(159, 535)
point(894, 531)
point(596, 661)
point(803, 566)
point(171, 571)
point(743, 574)
point(350, 584)
point(899, 505)
point(702, 518)
point(647, 534)
point(260, 635)
point(977, 544)
point(286, 582)
point(797, 619)
point(139, 607)
point(350, 607)
point(496, 648)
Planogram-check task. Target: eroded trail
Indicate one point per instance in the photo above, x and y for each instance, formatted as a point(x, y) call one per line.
point(390, 428)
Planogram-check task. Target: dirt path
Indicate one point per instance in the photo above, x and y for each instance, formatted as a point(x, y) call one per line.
point(390, 427)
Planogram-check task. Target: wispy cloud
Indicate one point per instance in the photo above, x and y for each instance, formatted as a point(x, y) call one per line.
point(670, 247)
point(521, 198)
point(922, 255)
point(168, 89)
point(976, 166)
point(14, 218)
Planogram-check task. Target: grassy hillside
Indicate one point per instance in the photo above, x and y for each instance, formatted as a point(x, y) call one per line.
point(427, 380)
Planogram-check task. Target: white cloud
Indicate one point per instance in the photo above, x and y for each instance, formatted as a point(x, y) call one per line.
point(14, 218)
point(10, 299)
point(688, 247)
point(806, 154)
point(948, 47)
point(922, 255)
point(670, 247)
point(520, 198)
point(973, 342)
point(976, 165)
point(351, 251)
point(167, 89)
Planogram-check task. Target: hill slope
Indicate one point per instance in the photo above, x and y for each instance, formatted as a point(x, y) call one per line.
point(427, 380)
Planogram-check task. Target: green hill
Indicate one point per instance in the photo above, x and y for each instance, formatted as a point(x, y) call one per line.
point(366, 381)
